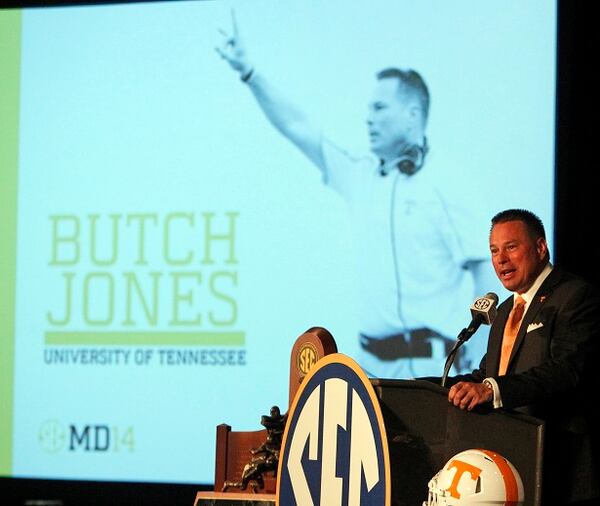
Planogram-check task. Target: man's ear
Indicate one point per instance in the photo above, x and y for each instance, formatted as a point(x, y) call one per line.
point(542, 248)
point(415, 112)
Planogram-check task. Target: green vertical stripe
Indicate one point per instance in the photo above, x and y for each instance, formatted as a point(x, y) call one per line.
point(10, 53)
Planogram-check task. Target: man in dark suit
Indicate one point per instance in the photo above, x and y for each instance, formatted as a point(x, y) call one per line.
point(541, 355)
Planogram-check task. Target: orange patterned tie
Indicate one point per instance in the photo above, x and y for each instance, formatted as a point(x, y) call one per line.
point(510, 333)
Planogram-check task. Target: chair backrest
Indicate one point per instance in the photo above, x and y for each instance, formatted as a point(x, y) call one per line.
point(310, 347)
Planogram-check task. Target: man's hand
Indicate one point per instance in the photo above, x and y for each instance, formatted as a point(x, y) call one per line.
point(466, 395)
point(232, 49)
point(289, 119)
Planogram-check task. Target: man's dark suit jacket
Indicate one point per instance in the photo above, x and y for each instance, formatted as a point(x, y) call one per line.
point(553, 375)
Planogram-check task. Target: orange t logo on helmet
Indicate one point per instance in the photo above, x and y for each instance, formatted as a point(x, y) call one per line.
point(461, 468)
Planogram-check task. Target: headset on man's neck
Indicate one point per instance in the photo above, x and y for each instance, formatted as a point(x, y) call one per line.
point(410, 160)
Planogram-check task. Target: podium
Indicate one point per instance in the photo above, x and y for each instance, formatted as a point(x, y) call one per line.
point(424, 431)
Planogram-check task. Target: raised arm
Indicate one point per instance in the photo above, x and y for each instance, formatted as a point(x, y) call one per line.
point(280, 111)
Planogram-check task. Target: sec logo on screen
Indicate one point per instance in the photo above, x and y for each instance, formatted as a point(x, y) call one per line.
point(334, 450)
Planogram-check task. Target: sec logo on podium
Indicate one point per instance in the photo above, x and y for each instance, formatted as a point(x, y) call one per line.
point(334, 450)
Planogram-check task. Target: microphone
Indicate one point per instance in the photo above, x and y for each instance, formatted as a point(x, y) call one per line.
point(483, 310)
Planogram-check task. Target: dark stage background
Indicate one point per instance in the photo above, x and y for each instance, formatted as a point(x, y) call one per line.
point(577, 196)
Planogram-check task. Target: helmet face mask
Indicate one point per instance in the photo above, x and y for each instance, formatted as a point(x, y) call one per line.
point(437, 496)
point(476, 477)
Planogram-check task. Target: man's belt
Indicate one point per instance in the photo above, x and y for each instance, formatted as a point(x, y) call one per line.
point(413, 344)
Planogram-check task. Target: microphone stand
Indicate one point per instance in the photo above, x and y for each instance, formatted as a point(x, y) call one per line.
point(462, 338)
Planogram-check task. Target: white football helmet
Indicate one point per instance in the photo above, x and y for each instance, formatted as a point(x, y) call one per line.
point(476, 477)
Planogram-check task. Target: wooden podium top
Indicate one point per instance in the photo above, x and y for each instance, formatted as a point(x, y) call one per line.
point(233, 499)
